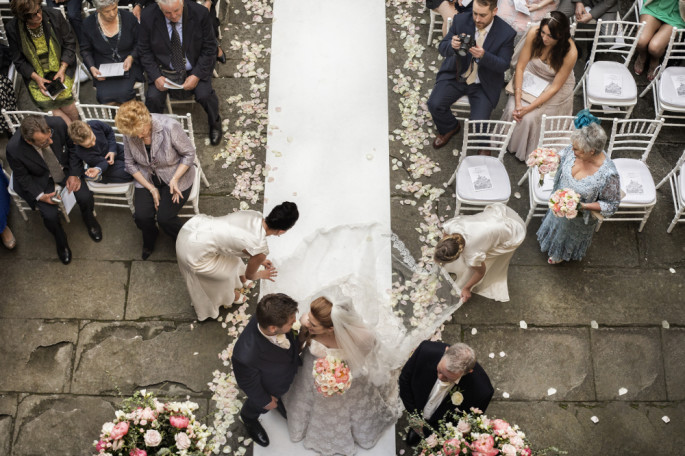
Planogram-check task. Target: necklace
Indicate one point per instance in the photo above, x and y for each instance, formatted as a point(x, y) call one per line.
point(37, 32)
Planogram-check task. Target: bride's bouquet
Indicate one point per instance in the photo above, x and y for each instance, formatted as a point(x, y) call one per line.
point(331, 376)
point(564, 203)
point(547, 161)
point(146, 426)
point(474, 434)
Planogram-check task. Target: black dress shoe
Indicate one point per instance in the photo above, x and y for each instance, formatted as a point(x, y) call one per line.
point(221, 58)
point(94, 230)
point(215, 135)
point(146, 253)
point(281, 409)
point(255, 431)
point(413, 438)
point(64, 254)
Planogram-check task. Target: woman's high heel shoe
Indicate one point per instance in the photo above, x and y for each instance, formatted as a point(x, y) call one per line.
point(8, 239)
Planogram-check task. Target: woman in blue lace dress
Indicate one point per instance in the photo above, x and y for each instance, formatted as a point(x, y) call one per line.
point(587, 170)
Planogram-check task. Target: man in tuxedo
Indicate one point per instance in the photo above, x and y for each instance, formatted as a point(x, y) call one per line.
point(431, 377)
point(40, 158)
point(265, 360)
point(479, 74)
point(177, 43)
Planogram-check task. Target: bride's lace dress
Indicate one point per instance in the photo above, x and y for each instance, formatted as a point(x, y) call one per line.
point(335, 425)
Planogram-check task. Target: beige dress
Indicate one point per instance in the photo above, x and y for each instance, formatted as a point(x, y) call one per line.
point(491, 236)
point(525, 138)
point(209, 251)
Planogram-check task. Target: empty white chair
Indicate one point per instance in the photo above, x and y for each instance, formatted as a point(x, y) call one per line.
point(676, 177)
point(636, 137)
point(481, 179)
point(608, 85)
point(669, 100)
point(555, 133)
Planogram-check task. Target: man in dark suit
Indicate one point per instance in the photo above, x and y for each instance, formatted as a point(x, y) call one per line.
point(432, 376)
point(40, 158)
point(177, 43)
point(265, 360)
point(479, 74)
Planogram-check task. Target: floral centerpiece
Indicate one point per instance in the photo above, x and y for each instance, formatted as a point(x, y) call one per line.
point(564, 203)
point(331, 376)
point(144, 426)
point(474, 434)
point(547, 161)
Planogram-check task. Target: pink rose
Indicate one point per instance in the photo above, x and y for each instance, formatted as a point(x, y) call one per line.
point(499, 426)
point(572, 214)
point(117, 444)
point(119, 430)
point(101, 445)
point(147, 414)
point(508, 450)
point(517, 442)
point(152, 438)
point(477, 411)
point(137, 452)
point(182, 441)
point(451, 447)
point(179, 421)
point(432, 440)
point(484, 446)
point(526, 452)
point(463, 427)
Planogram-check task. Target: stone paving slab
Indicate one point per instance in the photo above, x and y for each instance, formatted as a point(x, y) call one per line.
point(8, 410)
point(535, 360)
point(168, 353)
point(673, 342)
point(628, 358)
point(146, 299)
point(36, 355)
point(95, 290)
point(624, 429)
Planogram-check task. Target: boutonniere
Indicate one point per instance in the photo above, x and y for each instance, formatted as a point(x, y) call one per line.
point(456, 396)
point(296, 328)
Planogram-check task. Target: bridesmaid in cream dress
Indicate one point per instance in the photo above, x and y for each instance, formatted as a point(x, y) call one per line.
point(550, 54)
point(210, 251)
point(478, 249)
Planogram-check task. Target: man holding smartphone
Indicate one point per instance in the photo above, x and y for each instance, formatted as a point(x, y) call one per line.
point(40, 160)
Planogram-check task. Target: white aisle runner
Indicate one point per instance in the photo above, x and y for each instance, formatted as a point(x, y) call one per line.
point(328, 135)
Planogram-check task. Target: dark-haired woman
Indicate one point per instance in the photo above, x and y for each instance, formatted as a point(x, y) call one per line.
point(478, 248)
point(549, 54)
point(210, 251)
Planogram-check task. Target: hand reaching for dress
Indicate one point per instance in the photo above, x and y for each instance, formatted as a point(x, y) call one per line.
point(272, 405)
point(268, 273)
point(465, 294)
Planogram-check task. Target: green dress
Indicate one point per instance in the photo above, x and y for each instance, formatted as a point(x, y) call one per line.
point(50, 62)
point(666, 11)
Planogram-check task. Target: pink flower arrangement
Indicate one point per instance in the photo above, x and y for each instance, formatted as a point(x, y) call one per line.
point(331, 376)
point(474, 434)
point(564, 203)
point(547, 161)
point(146, 426)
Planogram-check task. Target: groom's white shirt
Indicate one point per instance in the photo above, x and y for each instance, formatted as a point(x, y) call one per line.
point(280, 340)
point(437, 395)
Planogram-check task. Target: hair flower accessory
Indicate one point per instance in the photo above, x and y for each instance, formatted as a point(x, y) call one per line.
point(584, 118)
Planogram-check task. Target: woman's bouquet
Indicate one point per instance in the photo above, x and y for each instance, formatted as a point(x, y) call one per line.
point(331, 376)
point(547, 161)
point(146, 426)
point(564, 203)
point(474, 434)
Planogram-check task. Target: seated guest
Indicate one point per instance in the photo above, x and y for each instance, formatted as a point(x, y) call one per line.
point(519, 21)
point(659, 16)
point(479, 73)
point(599, 9)
point(40, 159)
point(98, 148)
point(112, 38)
point(550, 54)
point(433, 373)
point(158, 156)
point(447, 9)
point(74, 11)
point(177, 44)
point(43, 47)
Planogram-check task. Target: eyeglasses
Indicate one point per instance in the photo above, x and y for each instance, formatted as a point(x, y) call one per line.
point(45, 143)
point(29, 16)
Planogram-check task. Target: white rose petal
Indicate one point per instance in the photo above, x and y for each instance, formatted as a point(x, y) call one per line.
point(502, 354)
point(369, 156)
point(551, 391)
point(505, 395)
point(517, 195)
point(594, 419)
point(665, 419)
point(491, 355)
point(195, 354)
point(671, 270)
point(474, 331)
point(594, 325)
point(523, 324)
point(622, 391)
point(665, 325)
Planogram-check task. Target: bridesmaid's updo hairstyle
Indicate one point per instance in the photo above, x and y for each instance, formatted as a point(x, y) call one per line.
point(321, 310)
point(275, 309)
point(283, 216)
point(449, 248)
point(560, 29)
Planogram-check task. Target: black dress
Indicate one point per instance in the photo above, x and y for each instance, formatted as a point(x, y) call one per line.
point(97, 49)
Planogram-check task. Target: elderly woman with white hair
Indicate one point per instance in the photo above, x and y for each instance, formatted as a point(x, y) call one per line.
point(111, 37)
point(586, 169)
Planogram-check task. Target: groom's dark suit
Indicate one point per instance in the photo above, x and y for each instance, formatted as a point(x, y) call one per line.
point(420, 373)
point(262, 369)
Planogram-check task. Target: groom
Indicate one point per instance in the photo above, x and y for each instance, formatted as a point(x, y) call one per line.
point(432, 376)
point(265, 360)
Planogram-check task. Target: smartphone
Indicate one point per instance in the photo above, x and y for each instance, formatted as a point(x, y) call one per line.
point(55, 88)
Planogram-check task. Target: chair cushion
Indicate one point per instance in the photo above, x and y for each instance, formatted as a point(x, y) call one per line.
point(668, 95)
point(636, 181)
point(111, 189)
point(499, 180)
point(595, 83)
point(541, 192)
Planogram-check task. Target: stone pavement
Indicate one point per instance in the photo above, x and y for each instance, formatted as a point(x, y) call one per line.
point(75, 336)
